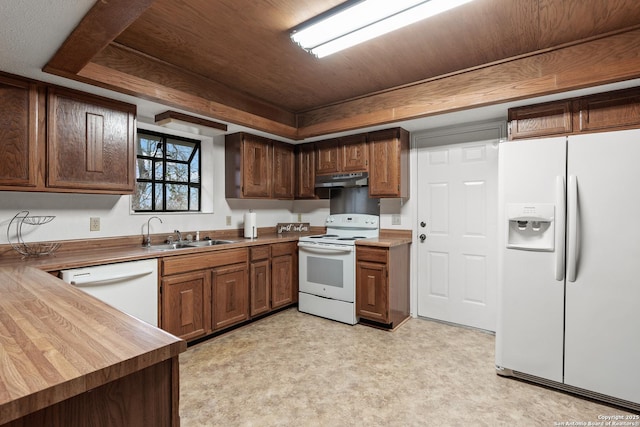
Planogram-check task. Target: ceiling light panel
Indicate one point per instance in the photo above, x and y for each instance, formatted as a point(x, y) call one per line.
point(364, 21)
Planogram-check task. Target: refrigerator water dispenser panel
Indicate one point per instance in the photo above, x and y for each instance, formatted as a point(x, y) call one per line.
point(531, 226)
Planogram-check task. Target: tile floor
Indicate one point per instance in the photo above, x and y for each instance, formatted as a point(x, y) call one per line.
point(294, 369)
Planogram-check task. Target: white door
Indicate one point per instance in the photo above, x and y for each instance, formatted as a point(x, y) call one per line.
point(602, 331)
point(457, 210)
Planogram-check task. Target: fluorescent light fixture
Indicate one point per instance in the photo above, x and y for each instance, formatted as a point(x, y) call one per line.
point(364, 20)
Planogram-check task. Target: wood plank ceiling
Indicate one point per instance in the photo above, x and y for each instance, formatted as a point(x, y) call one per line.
point(233, 60)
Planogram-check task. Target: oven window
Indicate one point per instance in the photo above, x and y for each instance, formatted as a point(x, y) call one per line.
point(325, 271)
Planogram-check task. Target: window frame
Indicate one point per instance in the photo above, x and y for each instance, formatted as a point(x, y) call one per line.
point(163, 160)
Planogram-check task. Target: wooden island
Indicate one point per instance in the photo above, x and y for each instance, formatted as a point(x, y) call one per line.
point(68, 359)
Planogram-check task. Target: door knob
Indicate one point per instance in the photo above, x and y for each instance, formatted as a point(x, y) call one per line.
point(423, 224)
point(422, 237)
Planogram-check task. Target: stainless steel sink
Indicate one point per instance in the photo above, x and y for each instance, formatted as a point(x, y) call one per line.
point(167, 247)
point(202, 243)
point(186, 245)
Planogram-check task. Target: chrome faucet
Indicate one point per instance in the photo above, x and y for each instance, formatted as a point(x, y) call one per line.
point(147, 240)
point(179, 235)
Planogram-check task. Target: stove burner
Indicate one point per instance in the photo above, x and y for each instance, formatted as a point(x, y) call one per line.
point(347, 238)
point(323, 236)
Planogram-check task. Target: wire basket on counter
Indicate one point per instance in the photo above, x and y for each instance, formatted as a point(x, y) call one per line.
point(34, 248)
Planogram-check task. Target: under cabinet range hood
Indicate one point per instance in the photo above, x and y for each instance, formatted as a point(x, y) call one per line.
point(343, 180)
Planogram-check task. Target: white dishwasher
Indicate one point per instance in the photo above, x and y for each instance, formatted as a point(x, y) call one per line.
point(131, 287)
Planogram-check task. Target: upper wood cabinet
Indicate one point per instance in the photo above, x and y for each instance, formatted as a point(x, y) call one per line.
point(305, 179)
point(551, 118)
point(328, 157)
point(615, 110)
point(20, 108)
point(59, 140)
point(354, 153)
point(283, 170)
point(346, 154)
point(90, 142)
point(258, 168)
point(607, 111)
point(389, 163)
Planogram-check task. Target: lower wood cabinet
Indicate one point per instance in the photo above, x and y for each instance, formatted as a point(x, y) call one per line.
point(203, 293)
point(273, 277)
point(185, 304)
point(207, 292)
point(230, 295)
point(382, 284)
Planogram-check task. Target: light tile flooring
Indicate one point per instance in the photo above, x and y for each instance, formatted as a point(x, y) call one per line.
point(294, 369)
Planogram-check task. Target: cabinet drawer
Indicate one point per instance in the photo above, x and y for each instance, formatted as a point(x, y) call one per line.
point(287, 248)
point(186, 263)
point(372, 255)
point(259, 252)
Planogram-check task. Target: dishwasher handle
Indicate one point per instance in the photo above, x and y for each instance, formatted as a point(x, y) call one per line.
point(87, 280)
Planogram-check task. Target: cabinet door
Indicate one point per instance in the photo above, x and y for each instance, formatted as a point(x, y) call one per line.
point(283, 170)
point(282, 281)
point(90, 143)
point(354, 153)
point(327, 157)
point(18, 132)
point(256, 176)
point(230, 295)
point(305, 171)
point(389, 163)
point(372, 299)
point(185, 304)
point(607, 111)
point(551, 118)
point(260, 280)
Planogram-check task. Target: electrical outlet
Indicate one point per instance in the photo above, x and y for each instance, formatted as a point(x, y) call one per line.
point(299, 217)
point(94, 224)
point(228, 219)
point(396, 219)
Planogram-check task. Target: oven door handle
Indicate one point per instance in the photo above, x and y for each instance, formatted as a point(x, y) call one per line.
point(312, 247)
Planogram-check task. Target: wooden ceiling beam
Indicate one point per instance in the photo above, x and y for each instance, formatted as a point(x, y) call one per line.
point(596, 62)
point(100, 26)
point(100, 75)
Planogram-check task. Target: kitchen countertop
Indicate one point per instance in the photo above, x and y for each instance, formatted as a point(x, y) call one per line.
point(97, 256)
point(385, 242)
point(57, 342)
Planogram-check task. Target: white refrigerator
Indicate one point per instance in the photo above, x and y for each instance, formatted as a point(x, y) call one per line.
point(569, 300)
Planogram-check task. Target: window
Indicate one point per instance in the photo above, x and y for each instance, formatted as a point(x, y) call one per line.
point(167, 173)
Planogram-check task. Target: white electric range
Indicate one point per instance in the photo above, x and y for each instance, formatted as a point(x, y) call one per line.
point(327, 270)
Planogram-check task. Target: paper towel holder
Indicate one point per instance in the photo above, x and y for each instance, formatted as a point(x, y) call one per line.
point(250, 226)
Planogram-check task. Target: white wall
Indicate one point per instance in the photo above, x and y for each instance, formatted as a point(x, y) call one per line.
point(73, 211)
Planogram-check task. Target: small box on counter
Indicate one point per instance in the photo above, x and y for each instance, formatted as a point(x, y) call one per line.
point(292, 227)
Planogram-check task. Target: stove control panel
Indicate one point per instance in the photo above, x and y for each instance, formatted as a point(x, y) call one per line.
point(352, 220)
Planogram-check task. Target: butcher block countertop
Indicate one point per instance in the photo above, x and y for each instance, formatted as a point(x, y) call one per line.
point(57, 342)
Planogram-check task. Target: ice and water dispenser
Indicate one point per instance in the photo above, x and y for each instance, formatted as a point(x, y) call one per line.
point(531, 226)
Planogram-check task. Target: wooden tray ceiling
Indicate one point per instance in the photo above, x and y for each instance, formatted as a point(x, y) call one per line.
point(233, 60)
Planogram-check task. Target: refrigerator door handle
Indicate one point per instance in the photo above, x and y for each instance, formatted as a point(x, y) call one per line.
point(560, 227)
point(572, 238)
